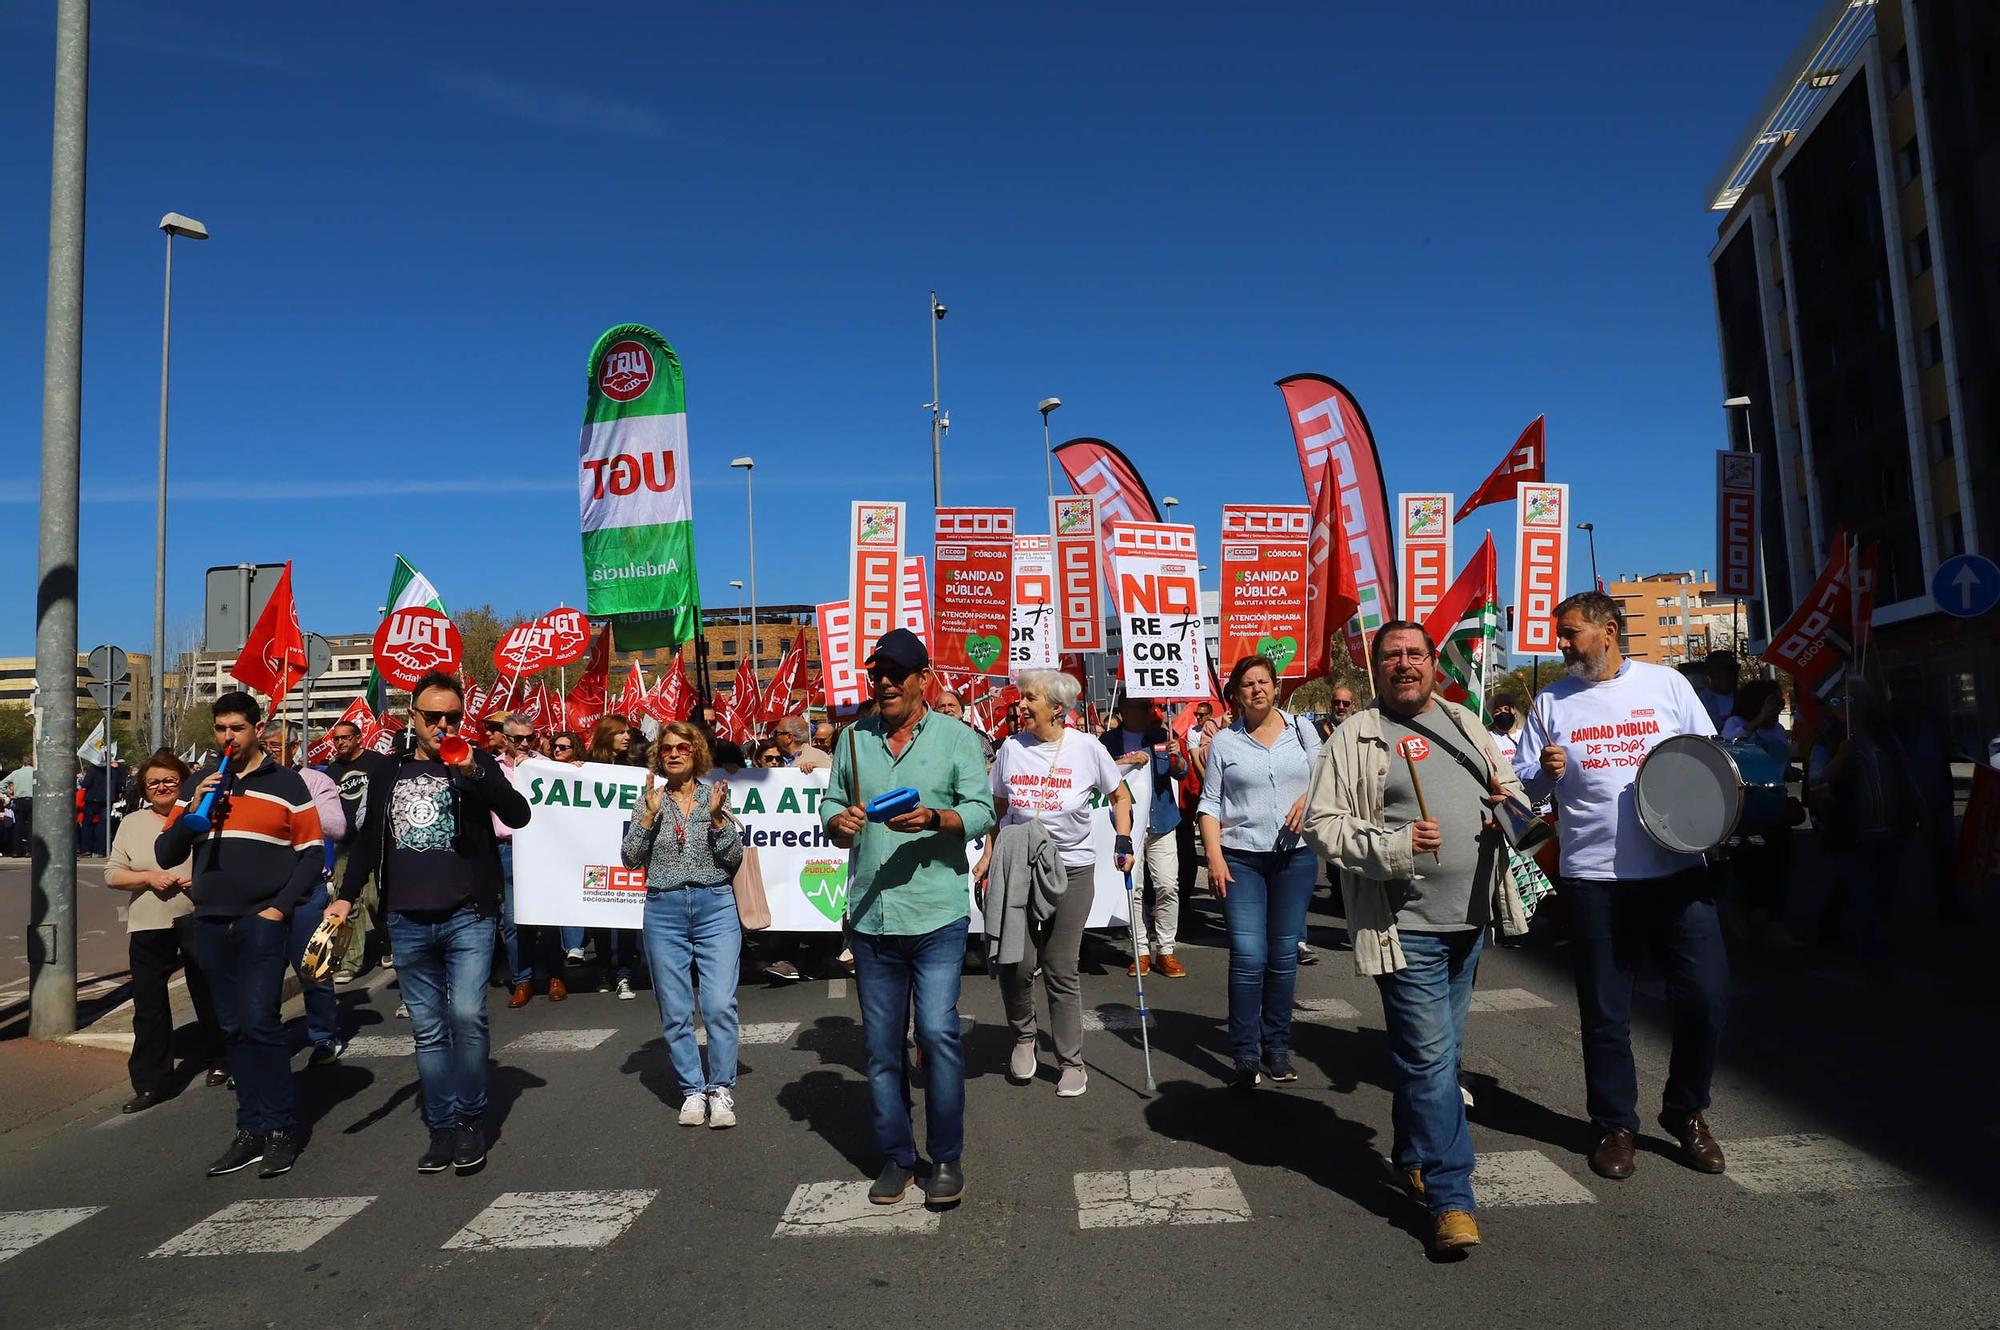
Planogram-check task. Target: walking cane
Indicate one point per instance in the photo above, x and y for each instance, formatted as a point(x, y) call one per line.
point(1139, 977)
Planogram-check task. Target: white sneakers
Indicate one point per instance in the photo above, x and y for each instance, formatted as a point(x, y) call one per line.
point(717, 1108)
point(625, 993)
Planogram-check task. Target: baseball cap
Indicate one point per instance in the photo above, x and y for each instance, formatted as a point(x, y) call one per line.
point(902, 648)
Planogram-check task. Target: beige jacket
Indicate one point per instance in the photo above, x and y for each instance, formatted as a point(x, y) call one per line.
point(132, 851)
point(1344, 825)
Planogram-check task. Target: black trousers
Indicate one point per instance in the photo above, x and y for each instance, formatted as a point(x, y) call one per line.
point(156, 953)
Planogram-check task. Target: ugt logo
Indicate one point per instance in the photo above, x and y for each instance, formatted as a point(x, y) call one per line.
point(626, 371)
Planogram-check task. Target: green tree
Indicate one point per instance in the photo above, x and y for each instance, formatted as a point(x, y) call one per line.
point(1316, 695)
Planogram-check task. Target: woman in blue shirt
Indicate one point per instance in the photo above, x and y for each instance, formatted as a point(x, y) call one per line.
point(1253, 799)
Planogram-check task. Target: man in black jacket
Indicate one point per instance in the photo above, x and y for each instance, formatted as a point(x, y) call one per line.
point(260, 856)
point(429, 842)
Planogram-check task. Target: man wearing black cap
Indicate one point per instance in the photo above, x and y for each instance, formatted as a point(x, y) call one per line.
point(906, 906)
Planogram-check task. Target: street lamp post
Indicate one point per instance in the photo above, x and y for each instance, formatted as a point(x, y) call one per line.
point(1740, 403)
point(188, 229)
point(939, 421)
point(1045, 406)
point(1169, 502)
point(1590, 529)
point(750, 513)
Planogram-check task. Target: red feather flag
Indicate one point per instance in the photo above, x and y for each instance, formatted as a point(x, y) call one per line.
point(739, 712)
point(632, 701)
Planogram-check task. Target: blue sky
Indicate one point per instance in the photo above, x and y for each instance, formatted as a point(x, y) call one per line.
point(1467, 212)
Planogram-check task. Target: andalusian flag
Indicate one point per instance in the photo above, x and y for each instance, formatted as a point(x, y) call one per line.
point(1465, 625)
point(635, 492)
point(407, 588)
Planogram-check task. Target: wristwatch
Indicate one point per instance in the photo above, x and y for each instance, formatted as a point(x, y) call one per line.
point(936, 820)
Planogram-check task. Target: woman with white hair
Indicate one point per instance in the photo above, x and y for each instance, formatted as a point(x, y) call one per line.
point(1045, 773)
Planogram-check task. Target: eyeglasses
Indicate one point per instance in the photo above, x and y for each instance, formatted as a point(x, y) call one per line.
point(889, 673)
point(563, 746)
point(521, 740)
point(441, 717)
point(495, 727)
point(771, 760)
point(668, 750)
point(1342, 704)
point(1414, 655)
point(164, 783)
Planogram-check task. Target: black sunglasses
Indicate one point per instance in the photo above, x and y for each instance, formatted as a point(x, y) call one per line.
point(889, 673)
point(441, 717)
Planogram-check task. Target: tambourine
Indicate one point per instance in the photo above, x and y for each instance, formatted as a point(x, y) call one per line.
point(893, 804)
point(327, 944)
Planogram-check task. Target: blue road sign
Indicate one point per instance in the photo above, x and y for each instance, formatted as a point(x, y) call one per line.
point(1966, 585)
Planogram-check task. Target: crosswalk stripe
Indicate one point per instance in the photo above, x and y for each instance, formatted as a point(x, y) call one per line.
point(558, 1041)
point(1806, 1163)
point(1334, 1009)
point(1503, 1178)
point(519, 1219)
point(756, 1032)
point(842, 1209)
point(1508, 999)
point(246, 1227)
point(380, 1046)
point(1159, 1196)
point(22, 1229)
point(836, 989)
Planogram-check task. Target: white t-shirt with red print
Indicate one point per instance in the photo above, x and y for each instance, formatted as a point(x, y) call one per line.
point(1051, 783)
point(1605, 730)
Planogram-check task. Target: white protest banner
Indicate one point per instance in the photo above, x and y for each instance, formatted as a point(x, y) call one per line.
point(1032, 639)
point(843, 680)
point(1541, 566)
point(1159, 609)
point(1423, 548)
point(875, 575)
point(1263, 600)
point(568, 867)
point(1736, 502)
point(975, 587)
point(1079, 560)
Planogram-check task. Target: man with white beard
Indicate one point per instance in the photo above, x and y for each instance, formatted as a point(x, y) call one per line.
point(1585, 736)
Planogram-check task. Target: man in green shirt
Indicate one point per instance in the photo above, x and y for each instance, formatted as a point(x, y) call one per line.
point(907, 903)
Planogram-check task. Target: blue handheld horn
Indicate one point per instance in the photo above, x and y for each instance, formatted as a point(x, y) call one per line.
point(196, 819)
point(893, 804)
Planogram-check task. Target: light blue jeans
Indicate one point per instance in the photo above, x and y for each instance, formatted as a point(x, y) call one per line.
point(1424, 1006)
point(442, 966)
point(688, 932)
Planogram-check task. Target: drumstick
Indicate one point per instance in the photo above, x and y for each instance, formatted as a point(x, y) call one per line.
point(1422, 807)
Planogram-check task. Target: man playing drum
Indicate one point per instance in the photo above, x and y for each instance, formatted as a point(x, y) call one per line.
point(1585, 736)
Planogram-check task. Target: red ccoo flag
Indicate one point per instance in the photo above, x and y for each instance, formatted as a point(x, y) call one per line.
point(1528, 459)
point(671, 698)
point(739, 712)
point(778, 700)
point(274, 655)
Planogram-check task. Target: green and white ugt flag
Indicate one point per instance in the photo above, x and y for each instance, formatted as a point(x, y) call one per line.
point(636, 500)
point(407, 588)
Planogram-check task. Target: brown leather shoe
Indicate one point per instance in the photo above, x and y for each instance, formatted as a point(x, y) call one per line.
point(1698, 1148)
point(1613, 1156)
point(1413, 1178)
point(1455, 1230)
point(519, 997)
point(1144, 965)
point(558, 990)
point(1170, 967)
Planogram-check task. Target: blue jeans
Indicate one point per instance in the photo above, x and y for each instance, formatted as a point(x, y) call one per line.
point(245, 961)
point(690, 931)
point(1612, 927)
point(1265, 911)
point(322, 1014)
point(1424, 1006)
point(442, 966)
point(888, 970)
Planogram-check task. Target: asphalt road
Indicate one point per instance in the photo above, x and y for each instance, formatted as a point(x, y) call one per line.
point(1854, 1104)
point(102, 963)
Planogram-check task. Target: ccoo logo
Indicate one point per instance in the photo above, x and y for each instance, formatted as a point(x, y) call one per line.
point(626, 371)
